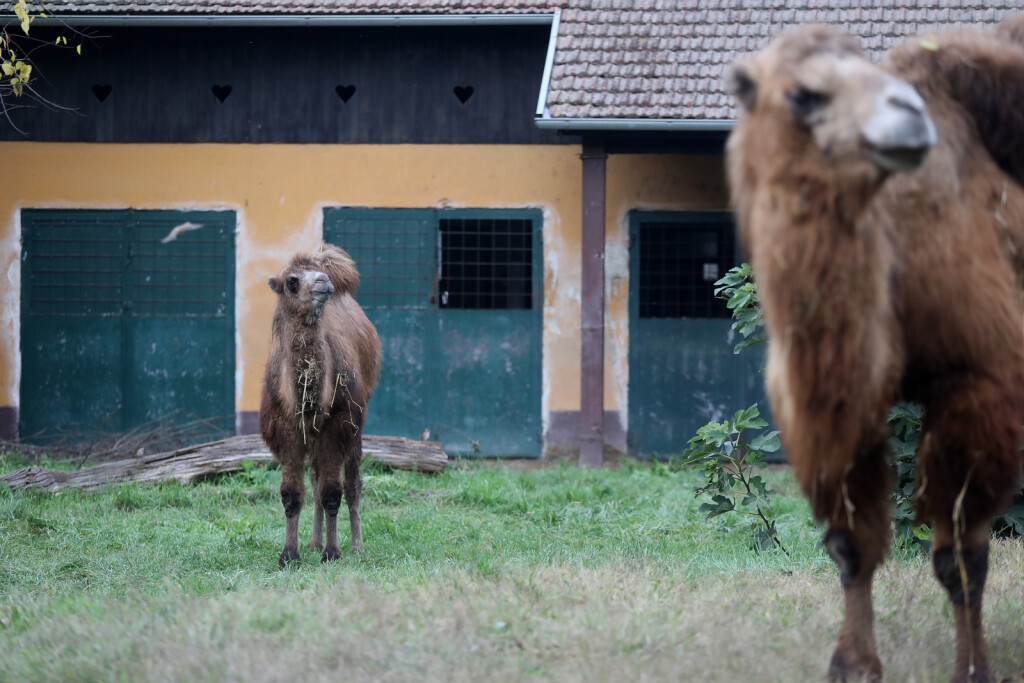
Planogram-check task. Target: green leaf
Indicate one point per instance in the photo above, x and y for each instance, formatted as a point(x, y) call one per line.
point(740, 299)
point(749, 418)
point(767, 442)
point(1015, 517)
point(763, 539)
point(720, 505)
point(715, 432)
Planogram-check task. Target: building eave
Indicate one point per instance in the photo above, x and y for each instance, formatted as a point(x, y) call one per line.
point(597, 125)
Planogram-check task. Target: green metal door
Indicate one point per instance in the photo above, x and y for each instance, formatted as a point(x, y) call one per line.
point(457, 301)
point(682, 369)
point(127, 320)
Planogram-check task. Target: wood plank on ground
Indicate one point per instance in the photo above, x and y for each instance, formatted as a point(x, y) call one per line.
point(194, 463)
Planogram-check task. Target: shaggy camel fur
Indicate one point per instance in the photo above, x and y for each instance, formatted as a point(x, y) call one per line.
point(322, 369)
point(883, 212)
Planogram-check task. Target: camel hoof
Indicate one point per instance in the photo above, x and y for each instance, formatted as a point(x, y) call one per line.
point(979, 676)
point(330, 554)
point(843, 670)
point(287, 557)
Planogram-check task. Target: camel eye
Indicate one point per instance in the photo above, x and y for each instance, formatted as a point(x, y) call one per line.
point(293, 284)
point(804, 102)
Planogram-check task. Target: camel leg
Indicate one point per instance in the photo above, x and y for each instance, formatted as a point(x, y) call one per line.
point(353, 491)
point(961, 565)
point(848, 488)
point(968, 467)
point(329, 481)
point(316, 541)
point(293, 494)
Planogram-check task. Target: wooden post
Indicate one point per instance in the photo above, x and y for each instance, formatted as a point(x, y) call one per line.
point(592, 305)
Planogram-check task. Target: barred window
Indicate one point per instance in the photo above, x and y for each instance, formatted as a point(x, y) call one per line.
point(486, 263)
point(680, 261)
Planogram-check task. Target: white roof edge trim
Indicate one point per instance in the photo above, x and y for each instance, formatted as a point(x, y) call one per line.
point(196, 20)
point(549, 62)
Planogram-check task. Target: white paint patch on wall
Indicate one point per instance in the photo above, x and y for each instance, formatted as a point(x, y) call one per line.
point(551, 243)
point(10, 317)
point(616, 265)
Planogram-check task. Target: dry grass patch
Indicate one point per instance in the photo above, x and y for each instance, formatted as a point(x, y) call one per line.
point(613, 623)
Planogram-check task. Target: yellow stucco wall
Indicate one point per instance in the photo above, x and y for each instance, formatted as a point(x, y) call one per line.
point(278, 193)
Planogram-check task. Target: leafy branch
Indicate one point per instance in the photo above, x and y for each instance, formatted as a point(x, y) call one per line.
point(17, 48)
point(740, 294)
point(728, 461)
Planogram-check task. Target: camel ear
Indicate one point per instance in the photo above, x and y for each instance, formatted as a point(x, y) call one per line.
point(275, 284)
point(740, 82)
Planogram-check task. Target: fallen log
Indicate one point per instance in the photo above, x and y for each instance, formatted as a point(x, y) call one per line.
point(194, 463)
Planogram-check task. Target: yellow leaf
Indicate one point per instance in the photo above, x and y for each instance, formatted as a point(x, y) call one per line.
point(78, 49)
point(929, 43)
point(7, 69)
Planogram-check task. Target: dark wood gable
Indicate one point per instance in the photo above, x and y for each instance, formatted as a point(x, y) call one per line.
point(474, 84)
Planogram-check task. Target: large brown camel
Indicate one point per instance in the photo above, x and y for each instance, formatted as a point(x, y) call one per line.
point(322, 369)
point(883, 212)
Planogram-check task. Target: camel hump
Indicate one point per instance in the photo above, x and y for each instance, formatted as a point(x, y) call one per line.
point(339, 266)
point(984, 74)
point(1012, 29)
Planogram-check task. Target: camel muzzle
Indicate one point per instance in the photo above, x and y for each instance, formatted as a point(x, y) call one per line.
point(899, 134)
point(321, 290)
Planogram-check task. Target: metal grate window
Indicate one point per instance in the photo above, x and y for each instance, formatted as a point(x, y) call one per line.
point(113, 263)
point(486, 263)
point(679, 264)
point(77, 267)
point(395, 259)
point(184, 277)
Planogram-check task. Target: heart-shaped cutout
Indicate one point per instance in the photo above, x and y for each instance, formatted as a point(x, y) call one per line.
point(345, 92)
point(221, 92)
point(463, 92)
point(102, 92)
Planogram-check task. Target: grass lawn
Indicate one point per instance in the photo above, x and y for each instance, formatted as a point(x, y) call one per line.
point(487, 572)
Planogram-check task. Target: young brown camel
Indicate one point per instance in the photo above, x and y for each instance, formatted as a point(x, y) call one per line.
point(883, 213)
point(322, 369)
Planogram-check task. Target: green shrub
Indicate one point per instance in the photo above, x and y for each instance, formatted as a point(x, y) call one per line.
point(739, 291)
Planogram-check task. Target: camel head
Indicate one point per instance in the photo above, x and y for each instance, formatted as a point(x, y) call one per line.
point(812, 98)
point(302, 290)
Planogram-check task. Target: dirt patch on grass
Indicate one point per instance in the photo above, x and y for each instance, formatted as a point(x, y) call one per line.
point(561, 456)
